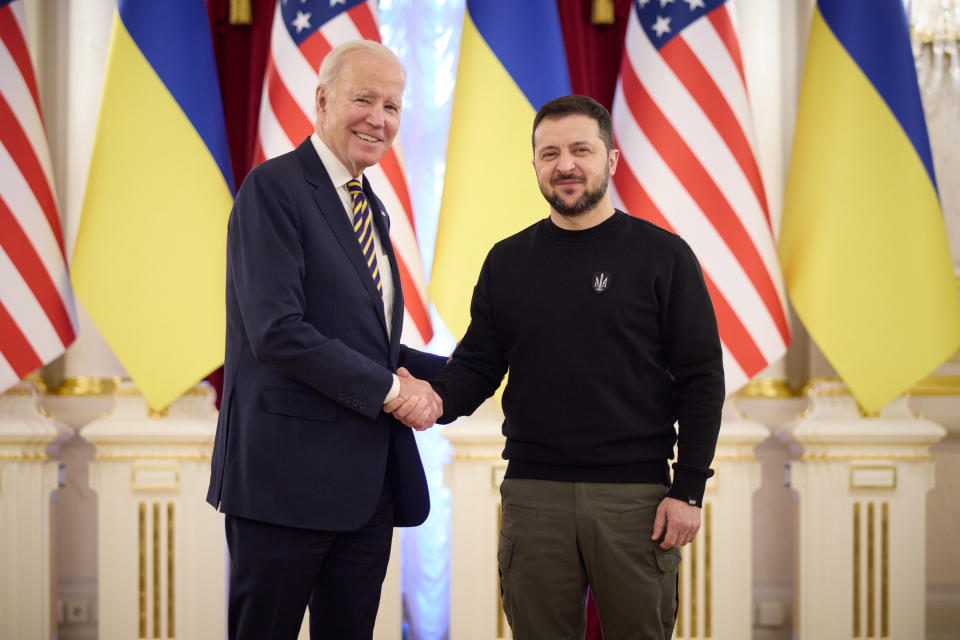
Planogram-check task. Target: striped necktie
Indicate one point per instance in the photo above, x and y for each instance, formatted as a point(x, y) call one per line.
point(363, 228)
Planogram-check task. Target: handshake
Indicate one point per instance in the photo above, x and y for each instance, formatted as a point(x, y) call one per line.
point(418, 405)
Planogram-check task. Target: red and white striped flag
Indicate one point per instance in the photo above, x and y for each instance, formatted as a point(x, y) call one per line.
point(37, 316)
point(303, 33)
point(682, 122)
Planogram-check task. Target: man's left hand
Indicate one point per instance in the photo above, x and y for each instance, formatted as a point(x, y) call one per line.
point(418, 405)
point(681, 521)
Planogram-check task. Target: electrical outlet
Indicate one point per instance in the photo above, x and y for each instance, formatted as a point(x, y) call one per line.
point(77, 611)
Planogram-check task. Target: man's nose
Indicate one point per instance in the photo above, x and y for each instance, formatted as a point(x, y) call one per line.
point(376, 116)
point(565, 163)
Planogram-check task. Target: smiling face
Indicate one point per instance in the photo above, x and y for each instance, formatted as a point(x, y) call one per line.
point(358, 114)
point(572, 163)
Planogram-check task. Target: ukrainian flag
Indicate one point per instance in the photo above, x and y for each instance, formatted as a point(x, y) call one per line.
point(862, 243)
point(150, 258)
point(512, 61)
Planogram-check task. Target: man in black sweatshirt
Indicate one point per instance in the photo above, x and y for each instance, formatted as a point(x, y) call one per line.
point(609, 335)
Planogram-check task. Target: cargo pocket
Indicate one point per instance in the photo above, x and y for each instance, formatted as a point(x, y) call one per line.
point(668, 562)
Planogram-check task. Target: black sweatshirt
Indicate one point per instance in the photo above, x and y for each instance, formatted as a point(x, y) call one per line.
point(610, 338)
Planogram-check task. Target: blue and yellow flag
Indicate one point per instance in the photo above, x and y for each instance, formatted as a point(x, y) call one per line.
point(512, 61)
point(862, 243)
point(150, 257)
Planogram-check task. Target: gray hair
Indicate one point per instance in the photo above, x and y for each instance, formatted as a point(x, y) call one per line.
point(333, 63)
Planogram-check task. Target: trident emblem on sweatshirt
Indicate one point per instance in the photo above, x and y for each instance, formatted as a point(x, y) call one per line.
point(601, 281)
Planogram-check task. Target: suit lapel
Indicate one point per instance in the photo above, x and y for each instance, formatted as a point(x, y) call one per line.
point(328, 201)
point(383, 228)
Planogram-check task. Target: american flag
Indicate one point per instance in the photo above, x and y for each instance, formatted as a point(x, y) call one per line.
point(37, 316)
point(682, 122)
point(303, 32)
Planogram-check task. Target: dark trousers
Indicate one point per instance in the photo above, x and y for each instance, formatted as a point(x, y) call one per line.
point(277, 571)
point(557, 538)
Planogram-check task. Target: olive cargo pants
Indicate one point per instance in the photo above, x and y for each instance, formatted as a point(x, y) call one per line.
point(558, 537)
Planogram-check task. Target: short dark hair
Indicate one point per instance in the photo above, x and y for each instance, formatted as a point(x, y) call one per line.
point(570, 105)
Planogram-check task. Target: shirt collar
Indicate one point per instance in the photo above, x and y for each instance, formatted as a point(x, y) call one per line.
point(338, 173)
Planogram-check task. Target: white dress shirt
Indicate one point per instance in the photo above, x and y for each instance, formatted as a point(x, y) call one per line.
point(340, 176)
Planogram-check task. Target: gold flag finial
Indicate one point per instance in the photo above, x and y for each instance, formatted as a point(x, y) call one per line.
point(240, 12)
point(602, 12)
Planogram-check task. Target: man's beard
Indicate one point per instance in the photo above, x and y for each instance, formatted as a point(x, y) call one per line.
point(584, 203)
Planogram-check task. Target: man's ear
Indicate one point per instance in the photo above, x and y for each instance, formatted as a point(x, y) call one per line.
point(613, 159)
point(320, 98)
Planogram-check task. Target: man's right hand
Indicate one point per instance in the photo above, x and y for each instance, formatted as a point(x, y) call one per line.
point(418, 406)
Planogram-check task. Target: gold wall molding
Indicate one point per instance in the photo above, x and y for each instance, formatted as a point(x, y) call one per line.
point(885, 569)
point(18, 392)
point(171, 573)
point(828, 392)
point(142, 569)
point(699, 566)
point(857, 615)
point(937, 386)
point(932, 385)
point(155, 570)
point(122, 456)
point(153, 414)
point(871, 571)
point(23, 456)
point(35, 379)
point(840, 456)
point(131, 390)
point(157, 632)
point(867, 564)
point(93, 386)
point(735, 457)
point(767, 389)
point(86, 386)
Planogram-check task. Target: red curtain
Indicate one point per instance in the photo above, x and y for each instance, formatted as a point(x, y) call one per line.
point(593, 51)
point(241, 55)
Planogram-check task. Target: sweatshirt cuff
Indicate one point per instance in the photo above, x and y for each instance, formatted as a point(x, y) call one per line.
point(689, 484)
point(394, 390)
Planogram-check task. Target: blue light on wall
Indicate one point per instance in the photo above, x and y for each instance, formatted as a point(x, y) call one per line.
point(425, 35)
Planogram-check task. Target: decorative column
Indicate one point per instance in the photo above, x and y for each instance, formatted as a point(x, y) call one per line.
point(28, 475)
point(474, 478)
point(862, 485)
point(716, 572)
point(162, 560)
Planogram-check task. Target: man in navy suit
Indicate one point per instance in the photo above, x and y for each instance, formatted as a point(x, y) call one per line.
point(309, 466)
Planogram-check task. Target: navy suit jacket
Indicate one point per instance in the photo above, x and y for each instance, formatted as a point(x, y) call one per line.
point(302, 439)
